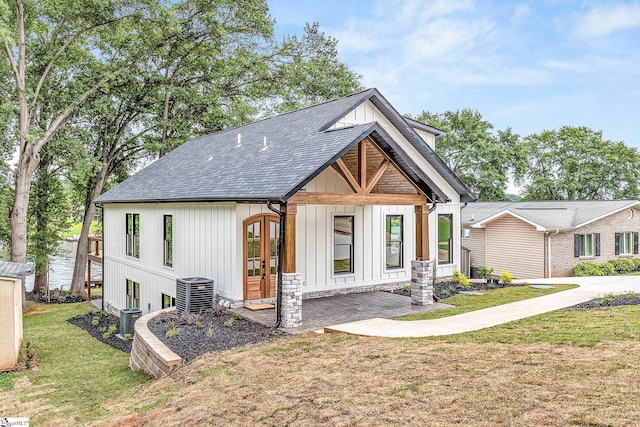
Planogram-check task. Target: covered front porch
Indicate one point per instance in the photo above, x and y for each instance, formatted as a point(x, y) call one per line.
point(323, 312)
point(394, 231)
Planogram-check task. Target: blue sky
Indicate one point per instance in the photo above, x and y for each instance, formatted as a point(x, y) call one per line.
point(526, 65)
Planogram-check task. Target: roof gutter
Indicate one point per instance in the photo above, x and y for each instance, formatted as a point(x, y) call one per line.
point(280, 244)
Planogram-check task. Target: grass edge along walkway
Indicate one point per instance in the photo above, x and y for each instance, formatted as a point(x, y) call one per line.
point(492, 298)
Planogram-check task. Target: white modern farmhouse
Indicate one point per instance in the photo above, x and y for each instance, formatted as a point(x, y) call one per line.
point(352, 191)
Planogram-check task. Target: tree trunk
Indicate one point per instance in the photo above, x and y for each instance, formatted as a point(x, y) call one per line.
point(24, 175)
point(80, 266)
point(41, 281)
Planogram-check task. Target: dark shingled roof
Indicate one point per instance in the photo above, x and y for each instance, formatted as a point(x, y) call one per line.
point(271, 159)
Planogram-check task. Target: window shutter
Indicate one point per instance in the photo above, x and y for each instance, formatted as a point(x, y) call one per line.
point(635, 242)
point(576, 245)
point(617, 237)
point(597, 235)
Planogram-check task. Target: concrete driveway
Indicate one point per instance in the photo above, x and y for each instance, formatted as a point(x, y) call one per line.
point(589, 288)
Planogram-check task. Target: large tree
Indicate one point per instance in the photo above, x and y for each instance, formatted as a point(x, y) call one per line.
point(224, 69)
point(483, 160)
point(575, 163)
point(65, 50)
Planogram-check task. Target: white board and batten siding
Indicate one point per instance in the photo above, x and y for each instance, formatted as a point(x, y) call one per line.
point(367, 112)
point(514, 245)
point(204, 244)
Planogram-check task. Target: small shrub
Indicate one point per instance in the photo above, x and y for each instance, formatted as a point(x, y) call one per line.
point(237, 316)
point(630, 295)
point(484, 272)
point(608, 298)
point(229, 323)
point(607, 269)
point(586, 269)
point(210, 332)
point(506, 277)
point(623, 265)
point(95, 321)
point(636, 264)
point(598, 302)
point(199, 325)
point(171, 324)
point(461, 279)
point(171, 333)
point(112, 330)
point(407, 287)
point(128, 337)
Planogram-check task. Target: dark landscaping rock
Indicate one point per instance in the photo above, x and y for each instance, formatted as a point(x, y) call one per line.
point(214, 330)
point(104, 321)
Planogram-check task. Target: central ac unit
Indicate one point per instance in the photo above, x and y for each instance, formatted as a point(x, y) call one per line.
point(128, 318)
point(194, 294)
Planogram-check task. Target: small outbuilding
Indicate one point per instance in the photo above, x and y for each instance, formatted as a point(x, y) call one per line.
point(11, 277)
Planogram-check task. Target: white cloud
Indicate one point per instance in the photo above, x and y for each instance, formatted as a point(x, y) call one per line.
point(521, 11)
point(603, 20)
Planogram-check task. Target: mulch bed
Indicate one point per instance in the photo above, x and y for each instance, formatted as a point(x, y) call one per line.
point(57, 296)
point(104, 321)
point(610, 301)
point(214, 330)
point(446, 289)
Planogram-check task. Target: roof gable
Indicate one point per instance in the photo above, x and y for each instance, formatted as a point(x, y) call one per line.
point(270, 159)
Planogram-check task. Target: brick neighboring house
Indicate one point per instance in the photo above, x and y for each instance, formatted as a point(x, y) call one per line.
point(547, 239)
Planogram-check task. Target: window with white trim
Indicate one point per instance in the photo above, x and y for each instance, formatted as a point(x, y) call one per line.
point(626, 243)
point(445, 239)
point(586, 245)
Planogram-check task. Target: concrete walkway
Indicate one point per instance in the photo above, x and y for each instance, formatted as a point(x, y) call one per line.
point(590, 288)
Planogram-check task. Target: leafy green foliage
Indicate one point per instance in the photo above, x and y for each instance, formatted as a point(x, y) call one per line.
point(623, 265)
point(461, 279)
point(481, 158)
point(586, 269)
point(575, 163)
point(506, 277)
point(484, 272)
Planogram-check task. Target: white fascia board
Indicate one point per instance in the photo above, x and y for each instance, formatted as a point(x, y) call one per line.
point(484, 222)
point(631, 204)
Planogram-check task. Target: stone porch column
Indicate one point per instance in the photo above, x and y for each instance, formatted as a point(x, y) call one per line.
point(421, 282)
point(291, 300)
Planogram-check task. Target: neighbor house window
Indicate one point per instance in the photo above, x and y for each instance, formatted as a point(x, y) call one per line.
point(626, 243)
point(393, 238)
point(342, 244)
point(168, 240)
point(133, 294)
point(445, 241)
point(133, 235)
point(168, 301)
point(585, 245)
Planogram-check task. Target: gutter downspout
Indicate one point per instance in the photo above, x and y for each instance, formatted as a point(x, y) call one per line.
point(279, 283)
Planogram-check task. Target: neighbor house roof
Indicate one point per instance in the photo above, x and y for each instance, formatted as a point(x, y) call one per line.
point(272, 159)
point(545, 215)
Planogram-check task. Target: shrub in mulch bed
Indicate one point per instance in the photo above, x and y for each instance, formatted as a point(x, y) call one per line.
point(57, 296)
point(190, 335)
point(103, 327)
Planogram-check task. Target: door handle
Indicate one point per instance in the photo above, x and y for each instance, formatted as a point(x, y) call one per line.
point(264, 267)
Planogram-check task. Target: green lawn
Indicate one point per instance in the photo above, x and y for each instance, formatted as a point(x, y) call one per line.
point(75, 229)
point(466, 303)
point(75, 373)
point(569, 326)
